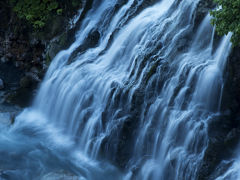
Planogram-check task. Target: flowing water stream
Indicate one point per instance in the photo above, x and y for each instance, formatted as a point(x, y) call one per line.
point(134, 105)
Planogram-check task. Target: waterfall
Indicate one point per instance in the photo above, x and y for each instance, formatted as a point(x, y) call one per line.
point(131, 98)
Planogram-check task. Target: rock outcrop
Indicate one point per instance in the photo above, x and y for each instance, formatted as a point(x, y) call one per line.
point(224, 130)
point(26, 53)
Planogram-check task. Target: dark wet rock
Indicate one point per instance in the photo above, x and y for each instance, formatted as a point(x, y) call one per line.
point(87, 5)
point(23, 94)
point(60, 42)
point(65, 39)
point(93, 38)
point(29, 80)
point(231, 95)
point(223, 139)
point(25, 54)
point(1, 84)
point(17, 83)
point(4, 59)
point(90, 42)
point(232, 138)
point(22, 97)
point(10, 75)
point(203, 7)
point(224, 131)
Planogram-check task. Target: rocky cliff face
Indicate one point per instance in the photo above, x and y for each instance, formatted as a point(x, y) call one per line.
point(224, 130)
point(25, 53)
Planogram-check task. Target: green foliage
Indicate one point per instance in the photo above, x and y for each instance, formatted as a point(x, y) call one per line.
point(36, 12)
point(75, 3)
point(227, 19)
point(59, 11)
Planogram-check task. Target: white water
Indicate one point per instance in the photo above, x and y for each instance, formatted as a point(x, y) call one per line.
point(105, 115)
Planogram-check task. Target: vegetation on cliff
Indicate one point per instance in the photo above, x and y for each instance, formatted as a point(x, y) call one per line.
point(227, 19)
point(38, 12)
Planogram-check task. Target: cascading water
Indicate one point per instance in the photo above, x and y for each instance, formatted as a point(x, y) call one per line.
point(135, 104)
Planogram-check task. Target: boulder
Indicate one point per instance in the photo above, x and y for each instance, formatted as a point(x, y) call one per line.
point(31, 79)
